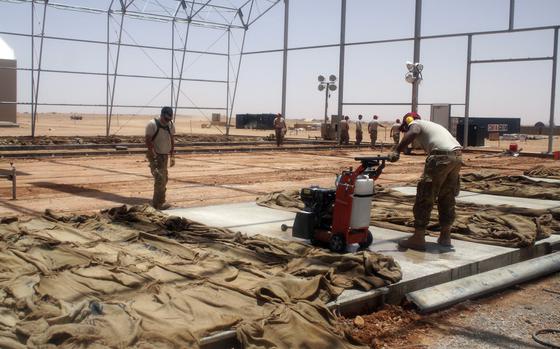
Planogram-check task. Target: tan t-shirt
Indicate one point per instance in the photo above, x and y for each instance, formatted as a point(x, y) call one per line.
point(372, 126)
point(162, 142)
point(359, 125)
point(395, 129)
point(279, 123)
point(432, 136)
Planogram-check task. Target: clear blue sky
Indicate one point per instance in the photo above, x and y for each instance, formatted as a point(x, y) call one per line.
point(374, 73)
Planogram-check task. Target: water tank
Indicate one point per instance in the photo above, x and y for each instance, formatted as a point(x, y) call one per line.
point(361, 203)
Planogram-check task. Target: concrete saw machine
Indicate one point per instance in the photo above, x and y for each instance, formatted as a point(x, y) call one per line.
point(341, 216)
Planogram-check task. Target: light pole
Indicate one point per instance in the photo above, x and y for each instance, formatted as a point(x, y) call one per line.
point(327, 86)
point(414, 76)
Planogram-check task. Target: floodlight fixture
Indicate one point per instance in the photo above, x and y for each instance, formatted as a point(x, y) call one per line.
point(321, 87)
point(419, 66)
point(409, 77)
point(332, 78)
point(321, 78)
point(332, 87)
point(409, 65)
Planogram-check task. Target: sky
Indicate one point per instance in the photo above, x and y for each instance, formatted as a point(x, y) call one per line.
point(374, 73)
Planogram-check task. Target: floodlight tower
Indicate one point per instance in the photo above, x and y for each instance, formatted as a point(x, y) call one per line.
point(414, 76)
point(327, 86)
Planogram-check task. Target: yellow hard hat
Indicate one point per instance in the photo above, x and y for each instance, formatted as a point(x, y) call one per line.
point(408, 120)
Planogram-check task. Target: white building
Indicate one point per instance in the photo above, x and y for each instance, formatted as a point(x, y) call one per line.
point(8, 84)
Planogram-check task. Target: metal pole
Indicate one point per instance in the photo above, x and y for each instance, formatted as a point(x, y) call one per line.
point(32, 68)
point(107, 88)
point(416, 59)
point(182, 64)
point(241, 54)
point(553, 92)
point(116, 69)
point(39, 65)
point(341, 58)
point(467, 94)
point(326, 103)
point(511, 14)
point(285, 55)
point(14, 173)
point(172, 62)
point(227, 77)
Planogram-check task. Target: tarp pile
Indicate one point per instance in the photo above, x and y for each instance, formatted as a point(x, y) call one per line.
point(135, 278)
point(495, 225)
point(517, 186)
point(543, 172)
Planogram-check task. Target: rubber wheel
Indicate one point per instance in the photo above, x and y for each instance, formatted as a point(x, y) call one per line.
point(284, 227)
point(367, 243)
point(337, 243)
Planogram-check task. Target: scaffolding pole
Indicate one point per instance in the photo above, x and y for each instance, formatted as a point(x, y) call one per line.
point(467, 93)
point(416, 59)
point(341, 59)
point(39, 63)
point(285, 55)
point(553, 93)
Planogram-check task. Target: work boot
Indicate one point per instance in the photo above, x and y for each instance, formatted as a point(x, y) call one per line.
point(416, 242)
point(445, 237)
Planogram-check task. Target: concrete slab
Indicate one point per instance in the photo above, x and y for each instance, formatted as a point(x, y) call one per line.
point(435, 266)
point(249, 218)
point(496, 200)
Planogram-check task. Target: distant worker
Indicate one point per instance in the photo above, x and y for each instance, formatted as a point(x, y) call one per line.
point(344, 131)
point(372, 129)
point(160, 134)
point(440, 179)
point(359, 132)
point(396, 131)
point(279, 129)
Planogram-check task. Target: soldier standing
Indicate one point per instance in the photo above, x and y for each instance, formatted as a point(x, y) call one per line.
point(359, 132)
point(279, 129)
point(344, 131)
point(372, 129)
point(396, 131)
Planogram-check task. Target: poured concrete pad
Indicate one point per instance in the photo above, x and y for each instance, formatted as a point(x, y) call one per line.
point(436, 265)
point(465, 258)
point(495, 200)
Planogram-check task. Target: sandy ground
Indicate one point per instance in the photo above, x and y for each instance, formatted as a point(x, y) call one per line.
point(504, 320)
point(92, 183)
point(94, 125)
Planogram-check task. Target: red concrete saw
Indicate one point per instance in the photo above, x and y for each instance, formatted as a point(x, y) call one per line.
point(339, 217)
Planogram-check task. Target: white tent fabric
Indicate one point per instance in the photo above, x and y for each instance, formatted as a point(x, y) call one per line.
point(6, 52)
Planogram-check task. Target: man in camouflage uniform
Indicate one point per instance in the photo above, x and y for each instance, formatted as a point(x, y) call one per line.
point(372, 129)
point(160, 134)
point(396, 131)
point(440, 179)
point(344, 131)
point(279, 129)
point(359, 132)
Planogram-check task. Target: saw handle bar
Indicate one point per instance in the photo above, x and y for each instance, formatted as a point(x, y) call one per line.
point(369, 162)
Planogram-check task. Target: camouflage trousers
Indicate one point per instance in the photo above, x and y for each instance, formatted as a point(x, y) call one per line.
point(440, 181)
point(373, 137)
point(279, 135)
point(359, 137)
point(158, 166)
point(344, 137)
point(396, 137)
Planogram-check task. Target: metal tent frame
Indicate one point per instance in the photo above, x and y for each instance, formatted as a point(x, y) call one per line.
point(233, 18)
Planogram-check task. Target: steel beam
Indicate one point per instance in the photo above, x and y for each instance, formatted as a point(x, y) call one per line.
point(228, 123)
point(553, 92)
point(182, 65)
point(509, 60)
point(122, 44)
point(341, 58)
point(36, 98)
point(285, 55)
point(227, 73)
point(467, 93)
point(416, 59)
point(511, 14)
point(32, 68)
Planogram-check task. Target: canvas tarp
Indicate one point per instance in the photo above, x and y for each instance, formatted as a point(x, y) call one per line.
point(543, 172)
point(134, 277)
point(516, 186)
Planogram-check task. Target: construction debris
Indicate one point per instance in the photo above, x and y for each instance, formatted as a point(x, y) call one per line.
point(543, 172)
